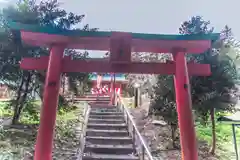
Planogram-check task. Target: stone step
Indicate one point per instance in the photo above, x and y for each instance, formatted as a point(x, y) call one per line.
point(100, 112)
point(93, 156)
point(107, 133)
point(92, 99)
point(97, 106)
point(107, 126)
point(105, 109)
point(108, 140)
point(104, 102)
point(106, 121)
point(109, 149)
point(106, 116)
point(92, 95)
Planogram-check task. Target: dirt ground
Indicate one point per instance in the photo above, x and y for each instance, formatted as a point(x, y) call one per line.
point(19, 140)
point(158, 136)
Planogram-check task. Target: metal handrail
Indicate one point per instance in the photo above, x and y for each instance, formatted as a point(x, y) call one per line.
point(134, 131)
point(83, 130)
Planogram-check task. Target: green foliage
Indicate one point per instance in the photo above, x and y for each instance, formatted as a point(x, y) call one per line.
point(62, 101)
point(18, 141)
point(65, 121)
point(164, 105)
point(215, 91)
point(31, 113)
point(12, 50)
point(213, 88)
point(5, 109)
point(223, 137)
point(78, 82)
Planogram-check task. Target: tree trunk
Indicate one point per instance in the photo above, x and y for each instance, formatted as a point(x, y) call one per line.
point(41, 77)
point(22, 98)
point(213, 147)
point(41, 92)
point(16, 104)
point(150, 110)
point(204, 118)
point(173, 135)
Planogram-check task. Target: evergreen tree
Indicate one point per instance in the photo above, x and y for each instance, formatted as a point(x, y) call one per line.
point(208, 93)
point(214, 91)
point(12, 50)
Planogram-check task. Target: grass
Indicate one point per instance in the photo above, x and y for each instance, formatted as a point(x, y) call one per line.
point(14, 143)
point(223, 136)
point(4, 110)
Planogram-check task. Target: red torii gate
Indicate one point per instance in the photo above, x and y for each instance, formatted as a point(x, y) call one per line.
point(121, 45)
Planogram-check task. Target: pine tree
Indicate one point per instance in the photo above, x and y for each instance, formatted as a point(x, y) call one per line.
point(12, 50)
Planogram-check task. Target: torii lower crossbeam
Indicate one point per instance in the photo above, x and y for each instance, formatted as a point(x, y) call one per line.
point(90, 66)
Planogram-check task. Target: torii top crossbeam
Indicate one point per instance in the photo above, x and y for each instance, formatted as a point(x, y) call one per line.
point(90, 40)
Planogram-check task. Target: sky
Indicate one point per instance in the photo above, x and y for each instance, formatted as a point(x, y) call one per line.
point(153, 16)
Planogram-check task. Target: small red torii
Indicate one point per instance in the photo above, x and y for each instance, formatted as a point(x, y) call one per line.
point(121, 44)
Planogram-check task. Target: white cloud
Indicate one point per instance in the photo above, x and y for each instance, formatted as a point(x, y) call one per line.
point(4, 1)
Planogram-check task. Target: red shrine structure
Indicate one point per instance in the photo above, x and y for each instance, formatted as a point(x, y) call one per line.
point(103, 83)
point(120, 44)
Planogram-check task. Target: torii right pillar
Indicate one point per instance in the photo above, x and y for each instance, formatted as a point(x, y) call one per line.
point(184, 108)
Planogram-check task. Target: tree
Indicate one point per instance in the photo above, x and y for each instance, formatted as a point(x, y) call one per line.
point(163, 101)
point(209, 93)
point(146, 81)
point(46, 13)
point(78, 82)
point(164, 105)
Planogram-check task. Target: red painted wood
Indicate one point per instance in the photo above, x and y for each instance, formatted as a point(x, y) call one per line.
point(114, 89)
point(111, 89)
point(43, 149)
point(184, 109)
point(103, 66)
point(103, 44)
point(40, 63)
point(120, 48)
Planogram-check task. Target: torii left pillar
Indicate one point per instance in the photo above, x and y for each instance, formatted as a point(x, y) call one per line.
point(43, 148)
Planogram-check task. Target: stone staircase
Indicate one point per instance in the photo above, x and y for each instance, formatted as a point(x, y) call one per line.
point(93, 99)
point(107, 137)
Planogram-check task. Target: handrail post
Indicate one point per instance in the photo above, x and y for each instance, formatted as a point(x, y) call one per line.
point(134, 138)
point(143, 152)
point(126, 119)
